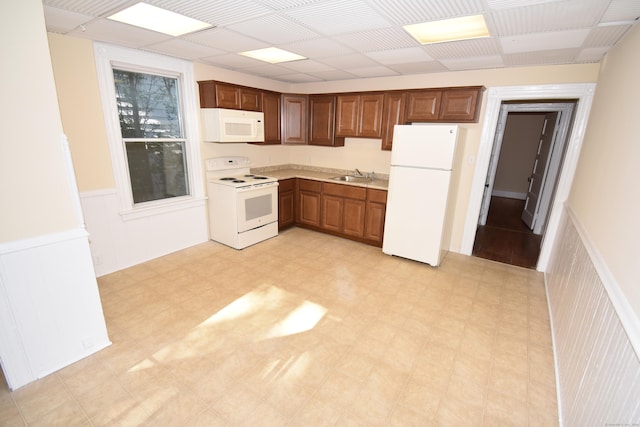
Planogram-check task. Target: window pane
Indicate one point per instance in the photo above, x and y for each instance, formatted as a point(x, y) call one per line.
point(147, 105)
point(157, 170)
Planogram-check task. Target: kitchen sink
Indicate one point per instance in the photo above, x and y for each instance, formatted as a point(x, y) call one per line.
point(351, 178)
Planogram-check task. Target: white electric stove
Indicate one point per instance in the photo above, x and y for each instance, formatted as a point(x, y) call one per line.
point(243, 207)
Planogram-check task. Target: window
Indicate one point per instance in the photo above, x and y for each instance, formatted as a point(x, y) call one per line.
point(150, 107)
point(149, 115)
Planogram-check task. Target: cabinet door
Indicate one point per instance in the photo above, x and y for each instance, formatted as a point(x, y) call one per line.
point(322, 121)
point(332, 211)
point(294, 119)
point(423, 105)
point(347, 115)
point(460, 105)
point(309, 210)
point(370, 116)
point(354, 217)
point(394, 103)
point(271, 110)
point(227, 96)
point(250, 99)
point(374, 221)
point(286, 203)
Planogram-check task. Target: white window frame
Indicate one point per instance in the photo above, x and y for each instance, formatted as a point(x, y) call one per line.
point(109, 57)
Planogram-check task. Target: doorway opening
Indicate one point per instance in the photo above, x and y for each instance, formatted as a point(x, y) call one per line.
point(526, 158)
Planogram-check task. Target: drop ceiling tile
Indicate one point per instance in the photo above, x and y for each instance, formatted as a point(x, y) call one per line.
point(594, 54)
point(376, 71)
point(298, 78)
point(402, 12)
point(63, 21)
point(565, 15)
point(418, 67)
point(306, 66)
point(464, 48)
point(338, 17)
point(267, 70)
point(108, 31)
point(560, 56)
point(233, 61)
point(378, 39)
point(89, 7)
point(223, 39)
point(622, 10)
point(605, 36)
point(184, 49)
point(319, 48)
point(215, 12)
point(333, 75)
point(476, 63)
point(274, 29)
point(508, 4)
point(544, 41)
point(356, 60)
point(400, 56)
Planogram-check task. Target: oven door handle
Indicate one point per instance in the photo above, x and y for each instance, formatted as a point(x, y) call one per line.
point(257, 187)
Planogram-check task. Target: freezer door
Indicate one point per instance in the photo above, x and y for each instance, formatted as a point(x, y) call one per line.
point(416, 208)
point(425, 146)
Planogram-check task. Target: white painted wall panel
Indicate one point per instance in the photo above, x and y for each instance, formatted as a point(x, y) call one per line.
point(53, 311)
point(118, 241)
point(597, 364)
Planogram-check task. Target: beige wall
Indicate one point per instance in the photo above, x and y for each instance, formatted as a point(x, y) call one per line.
point(363, 154)
point(518, 152)
point(605, 194)
point(77, 83)
point(34, 180)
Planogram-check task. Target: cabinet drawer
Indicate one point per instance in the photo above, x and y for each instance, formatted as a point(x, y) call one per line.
point(309, 185)
point(348, 191)
point(286, 185)
point(377, 196)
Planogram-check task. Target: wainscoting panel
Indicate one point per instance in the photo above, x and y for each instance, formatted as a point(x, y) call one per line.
point(118, 241)
point(51, 310)
point(597, 366)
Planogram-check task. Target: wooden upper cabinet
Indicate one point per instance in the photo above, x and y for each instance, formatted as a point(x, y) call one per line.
point(294, 119)
point(360, 115)
point(394, 104)
point(271, 107)
point(423, 105)
point(322, 119)
point(225, 95)
point(460, 104)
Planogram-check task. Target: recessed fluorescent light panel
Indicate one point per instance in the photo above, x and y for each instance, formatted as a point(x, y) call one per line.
point(157, 19)
point(447, 30)
point(272, 55)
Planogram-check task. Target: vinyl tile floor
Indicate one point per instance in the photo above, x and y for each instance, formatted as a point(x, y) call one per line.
point(308, 329)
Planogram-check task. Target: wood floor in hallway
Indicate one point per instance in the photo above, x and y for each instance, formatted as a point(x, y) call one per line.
point(505, 237)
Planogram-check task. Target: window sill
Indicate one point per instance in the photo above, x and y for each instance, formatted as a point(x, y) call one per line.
point(160, 208)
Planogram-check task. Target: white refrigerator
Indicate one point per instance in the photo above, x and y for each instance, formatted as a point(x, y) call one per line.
point(419, 215)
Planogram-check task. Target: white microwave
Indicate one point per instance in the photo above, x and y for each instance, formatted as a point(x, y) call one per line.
point(225, 125)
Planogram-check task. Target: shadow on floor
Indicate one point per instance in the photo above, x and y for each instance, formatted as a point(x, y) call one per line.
point(505, 237)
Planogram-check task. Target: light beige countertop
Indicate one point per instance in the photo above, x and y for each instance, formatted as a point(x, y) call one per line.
point(381, 182)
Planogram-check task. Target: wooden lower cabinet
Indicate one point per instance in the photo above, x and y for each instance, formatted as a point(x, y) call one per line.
point(286, 203)
point(349, 211)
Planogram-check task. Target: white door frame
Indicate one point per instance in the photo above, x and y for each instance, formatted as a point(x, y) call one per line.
point(583, 92)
